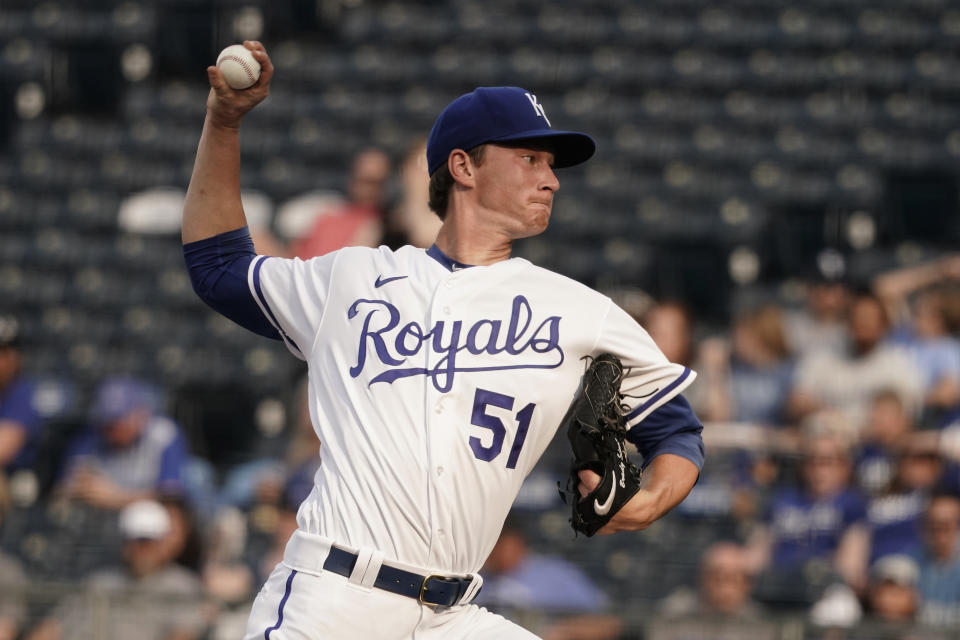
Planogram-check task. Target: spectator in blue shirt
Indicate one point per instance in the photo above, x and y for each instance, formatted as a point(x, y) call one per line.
point(129, 453)
point(937, 354)
point(895, 517)
point(919, 298)
point(820, 522)
point(20, 421)
point(513, 577)
point(940, 563)
point(749, 379)
point(516, 581)
point(889, 427)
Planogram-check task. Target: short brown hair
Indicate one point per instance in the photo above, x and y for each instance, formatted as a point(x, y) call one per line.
point(766, 322)
point(441, 182)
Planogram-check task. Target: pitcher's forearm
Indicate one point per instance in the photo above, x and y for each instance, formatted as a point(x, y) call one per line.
point(666, 482)
point(213, 202)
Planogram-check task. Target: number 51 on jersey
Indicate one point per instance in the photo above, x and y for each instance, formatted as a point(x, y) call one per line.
point(481, 400)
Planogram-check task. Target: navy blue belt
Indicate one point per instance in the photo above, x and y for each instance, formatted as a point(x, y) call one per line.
point(433, 589)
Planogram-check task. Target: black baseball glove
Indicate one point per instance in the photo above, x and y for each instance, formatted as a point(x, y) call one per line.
point(596, 428)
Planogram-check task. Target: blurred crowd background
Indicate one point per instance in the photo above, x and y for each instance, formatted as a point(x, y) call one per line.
point(775, 198)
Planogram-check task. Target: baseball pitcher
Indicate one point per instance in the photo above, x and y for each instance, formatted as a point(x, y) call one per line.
point(438, 377)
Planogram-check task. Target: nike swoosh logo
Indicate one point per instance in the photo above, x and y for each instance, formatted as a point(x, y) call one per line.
point(382, 281)
point(604, 509)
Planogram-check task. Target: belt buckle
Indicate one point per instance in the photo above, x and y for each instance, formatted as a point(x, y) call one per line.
point(423, 588)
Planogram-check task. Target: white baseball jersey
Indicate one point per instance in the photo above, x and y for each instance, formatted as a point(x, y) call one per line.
point(435, 389)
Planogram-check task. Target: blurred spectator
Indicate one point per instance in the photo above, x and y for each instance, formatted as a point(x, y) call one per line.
point(671, 327)
point(13, 579)
point(751, 383)
point(892, 595)
point(847, 382)
point(895, 287)
point(256, 516)
point(419, 225)
point(318, 222)
point(129, 452)
point(731, 485)
point(359, 221)
point(816, 529)
point(227, 578)
point(940, 564)
point(920, 467)
point(920, 299)
point(721, 608)
point(888, 427)
point(151, 597)
point(185, 543)
point(273, 519)
point(895, 516)
point(296, 215)
point(724, 590)
point(20, 422)
point(515, 580)
point(821, 325)
point(933, 350)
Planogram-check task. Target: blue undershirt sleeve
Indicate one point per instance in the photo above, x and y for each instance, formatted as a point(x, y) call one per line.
point(671, 428)
point(218, 272)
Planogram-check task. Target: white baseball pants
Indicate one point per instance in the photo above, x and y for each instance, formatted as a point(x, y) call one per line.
point(300, 602)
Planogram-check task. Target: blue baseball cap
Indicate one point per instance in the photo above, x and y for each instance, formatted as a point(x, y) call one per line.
point(119, 396)
point(501, 114)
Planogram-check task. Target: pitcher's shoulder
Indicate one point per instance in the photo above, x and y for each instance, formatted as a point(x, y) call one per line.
point(376, 257)
point(559, 283)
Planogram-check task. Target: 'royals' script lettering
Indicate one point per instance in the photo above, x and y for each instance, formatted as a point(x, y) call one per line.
point(382, 336)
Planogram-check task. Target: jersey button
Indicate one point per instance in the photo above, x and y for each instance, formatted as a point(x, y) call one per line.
point(446, 310)
point(439, 407)
point(439, 471)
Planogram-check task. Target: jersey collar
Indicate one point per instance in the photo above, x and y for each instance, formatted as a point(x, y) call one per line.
point(449, 263)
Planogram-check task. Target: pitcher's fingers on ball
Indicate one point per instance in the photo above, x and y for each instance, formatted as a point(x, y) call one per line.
point(266, 66)
point(216, 78)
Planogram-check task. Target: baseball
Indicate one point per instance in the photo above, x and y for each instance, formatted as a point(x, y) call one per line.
point(238, 66)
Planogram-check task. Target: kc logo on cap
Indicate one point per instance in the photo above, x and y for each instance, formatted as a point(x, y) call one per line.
point(501, 114)
point(537, 107)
